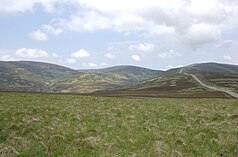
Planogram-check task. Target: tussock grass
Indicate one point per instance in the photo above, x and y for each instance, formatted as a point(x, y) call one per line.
point(71, 125)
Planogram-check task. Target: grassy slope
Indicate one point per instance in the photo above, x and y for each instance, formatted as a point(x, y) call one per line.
point(71, 125)
point(31, 76)
point(221, 75)
point(226, 80)
point(212, 67)
point(172, 85)
point(94, 82)
point(44, 77)
point(140, 72)
point(106, 79)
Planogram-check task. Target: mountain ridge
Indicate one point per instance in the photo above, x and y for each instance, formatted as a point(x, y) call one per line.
point(51, 78)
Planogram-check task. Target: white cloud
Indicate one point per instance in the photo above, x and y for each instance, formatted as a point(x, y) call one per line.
point(192, 23)
point(51, 30)
point(110, 48)
point(38, 35)
point(6, 58)
point(103, 64)
point(169, 54)
point(145, 47)
point(54, 55)
point(225, 44)
point(86, 22)
point(227, 57)
point(230, 59)
point(21, 6)
point(31, 53)
point(109, 6)
point(12, 6)
point(70, 60)
point(90, 65)
point(109, 55)
point(172, 67)
point(136, 58)
point(178, 14)
point(80, 54)
point(199, 34)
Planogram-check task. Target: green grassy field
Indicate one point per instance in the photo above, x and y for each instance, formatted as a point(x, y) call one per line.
point(73, 125)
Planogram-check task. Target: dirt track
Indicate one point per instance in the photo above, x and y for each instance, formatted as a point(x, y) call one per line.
point(233, 94)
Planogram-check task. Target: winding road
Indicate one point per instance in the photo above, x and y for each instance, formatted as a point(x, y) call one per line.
point(231, 93)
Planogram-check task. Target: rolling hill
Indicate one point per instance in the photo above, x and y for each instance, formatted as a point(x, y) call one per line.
point(179, 82)
point(139, 72)
point(111, 78)
point(211, 67)
point(119, 80)
point(174, 85)
point(214, 74)
point(31, 76)
point(44, 77)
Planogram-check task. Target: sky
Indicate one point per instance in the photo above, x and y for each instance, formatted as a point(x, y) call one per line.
point(83, 34)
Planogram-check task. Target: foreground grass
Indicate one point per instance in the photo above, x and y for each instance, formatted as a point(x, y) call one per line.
point(71, 125)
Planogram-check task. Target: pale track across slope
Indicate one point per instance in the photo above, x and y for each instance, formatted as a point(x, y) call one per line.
point(231, 93)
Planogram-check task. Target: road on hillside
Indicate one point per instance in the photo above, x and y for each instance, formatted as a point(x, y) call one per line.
point(233, 94)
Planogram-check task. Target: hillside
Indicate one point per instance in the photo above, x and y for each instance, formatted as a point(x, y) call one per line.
point(44, 77)
point(212, 67)
point(111, 78)
point(119, 80)
point(91, 82)
point(214, 74)
point(177, 83)
point(139, 72)
point(31, 76)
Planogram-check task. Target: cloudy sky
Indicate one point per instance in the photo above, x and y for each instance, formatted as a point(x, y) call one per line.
point(100, 33)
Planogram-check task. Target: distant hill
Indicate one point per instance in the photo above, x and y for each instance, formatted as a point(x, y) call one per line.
point(215, 74)
point(175, 85)
point(174, 82)
point(118, 80)
point(91, 82)
point(142, 73)
point(31, 76)
point(211, 67)
point(44, 77)
point(106, 79)
point(43, 70)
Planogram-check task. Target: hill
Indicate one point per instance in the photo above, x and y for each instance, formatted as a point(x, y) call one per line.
point(106, 79)
point(175, 85)
point(214, 74)
point(31, 76)
point(212, 67)
point(139, 72)
point(120, 80)
point(91, 82)
point(179, 82)
point(44, 77)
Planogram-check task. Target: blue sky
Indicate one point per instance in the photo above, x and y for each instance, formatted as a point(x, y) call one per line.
point(100, 33)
